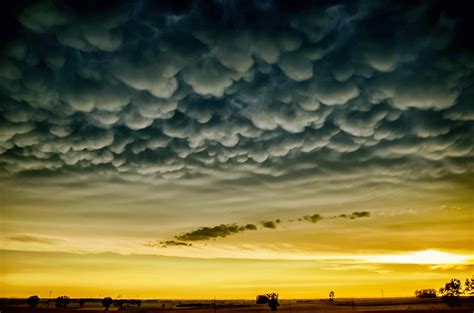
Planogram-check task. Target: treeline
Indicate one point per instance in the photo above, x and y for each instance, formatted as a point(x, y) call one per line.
point(62, 302)
point(451, 291)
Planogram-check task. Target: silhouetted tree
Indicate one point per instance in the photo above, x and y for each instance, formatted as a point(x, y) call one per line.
point(451, 292)
point(62, 302)
point(269, 298)
point(81, 302)
point(425, 293)
point(453, 288)
point(33, 301)
point(262, 299)
point(331, 295)
point(273, 301)
point(469, 287)
point(107, 302)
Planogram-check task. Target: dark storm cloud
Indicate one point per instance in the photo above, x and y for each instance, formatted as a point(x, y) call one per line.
point(212, 88)
point(207, 233)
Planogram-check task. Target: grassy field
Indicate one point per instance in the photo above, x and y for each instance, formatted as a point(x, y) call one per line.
point(386, 305)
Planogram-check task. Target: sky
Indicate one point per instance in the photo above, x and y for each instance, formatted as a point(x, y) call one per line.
point(201, 149)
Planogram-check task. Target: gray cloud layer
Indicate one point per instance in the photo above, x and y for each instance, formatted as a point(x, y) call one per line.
point(188, 93)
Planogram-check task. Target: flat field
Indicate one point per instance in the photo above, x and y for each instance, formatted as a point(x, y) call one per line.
point(387, 305)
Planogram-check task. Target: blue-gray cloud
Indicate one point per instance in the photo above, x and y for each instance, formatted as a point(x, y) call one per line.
point(263, 89)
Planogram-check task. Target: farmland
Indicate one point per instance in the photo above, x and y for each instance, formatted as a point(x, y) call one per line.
point(386, 305)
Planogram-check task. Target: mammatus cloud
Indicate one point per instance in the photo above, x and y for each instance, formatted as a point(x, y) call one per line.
point(177, 92)
point(206, 233)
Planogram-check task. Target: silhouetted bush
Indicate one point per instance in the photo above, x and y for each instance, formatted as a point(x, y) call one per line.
point(33, 301)
point(81, 302)
point(269, 298)
point(425, 293)
point(262, 299)
point(62, 302)
point(107, 302)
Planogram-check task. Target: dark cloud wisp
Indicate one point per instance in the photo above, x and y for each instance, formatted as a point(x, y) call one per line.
point(167, 243)
point(354, 215)
point(313, 218)
point(225, 230)
point(207, 233)
point(269, 224)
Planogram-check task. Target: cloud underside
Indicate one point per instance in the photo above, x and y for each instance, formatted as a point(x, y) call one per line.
point(181, 94)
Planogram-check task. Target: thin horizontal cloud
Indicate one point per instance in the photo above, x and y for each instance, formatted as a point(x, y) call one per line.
point(167, 243)
point(32, 239)
point(315, 218)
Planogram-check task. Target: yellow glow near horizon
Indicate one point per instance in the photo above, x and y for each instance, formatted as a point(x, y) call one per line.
point(151, 276)
point(422, 257)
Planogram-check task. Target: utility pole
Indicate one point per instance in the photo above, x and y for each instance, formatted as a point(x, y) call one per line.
point(49, 299)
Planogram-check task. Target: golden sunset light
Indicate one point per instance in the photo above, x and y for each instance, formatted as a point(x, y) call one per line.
point(310, 156)
point(425, 257)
